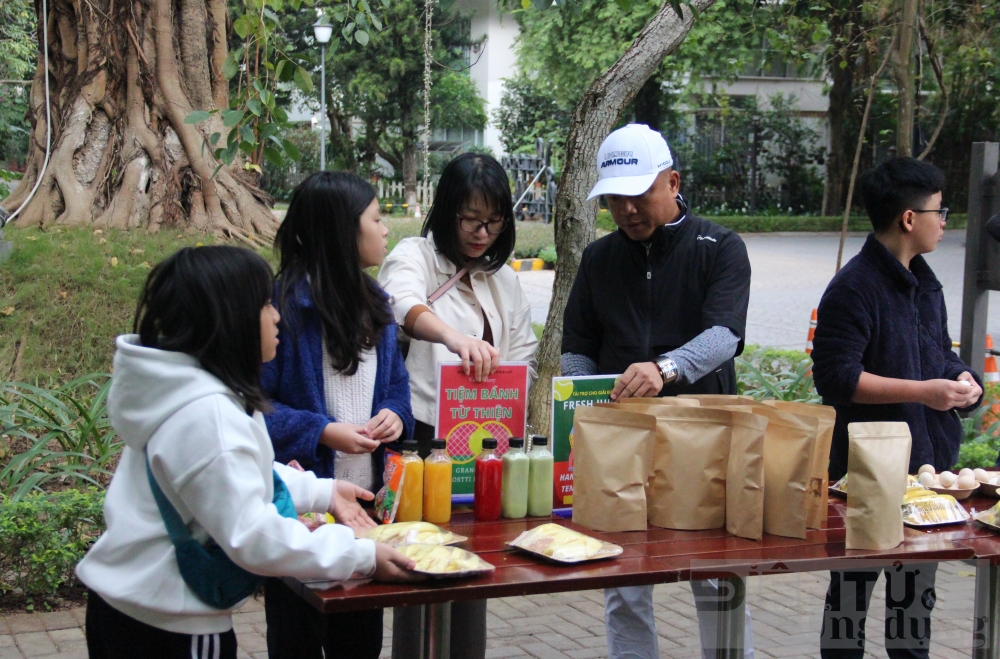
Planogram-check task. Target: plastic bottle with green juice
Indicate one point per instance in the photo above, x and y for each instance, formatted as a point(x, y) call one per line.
point(514, 492)
point(539, 477)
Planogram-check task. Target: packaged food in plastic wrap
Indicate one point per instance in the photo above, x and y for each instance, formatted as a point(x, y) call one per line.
point(401, 534)
point(990, 518)
point(926, 508)
point(443, 561)
point(564, 545)
point(840, 487)
point(315, 520)
point(387, 499)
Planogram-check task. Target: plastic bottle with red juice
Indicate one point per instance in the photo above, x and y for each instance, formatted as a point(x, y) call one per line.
point(488, 482)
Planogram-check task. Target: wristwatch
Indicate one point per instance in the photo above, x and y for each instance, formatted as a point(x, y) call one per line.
point(668, 369)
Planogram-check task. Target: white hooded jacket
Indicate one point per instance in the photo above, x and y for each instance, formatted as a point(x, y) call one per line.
point(213, 462)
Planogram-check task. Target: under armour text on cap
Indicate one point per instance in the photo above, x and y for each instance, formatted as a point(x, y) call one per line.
point(629, 160)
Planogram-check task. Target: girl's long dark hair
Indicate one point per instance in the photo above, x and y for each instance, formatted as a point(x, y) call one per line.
point(318, 246)
point(465, 177)
point(206, 302)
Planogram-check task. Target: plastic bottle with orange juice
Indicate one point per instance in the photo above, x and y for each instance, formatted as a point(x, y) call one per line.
point(411, 498)
point(437, 484)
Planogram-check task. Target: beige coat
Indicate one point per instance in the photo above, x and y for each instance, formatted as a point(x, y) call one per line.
point(414, 270)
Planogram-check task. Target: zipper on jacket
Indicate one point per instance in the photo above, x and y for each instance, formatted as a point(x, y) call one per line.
point(649, 300)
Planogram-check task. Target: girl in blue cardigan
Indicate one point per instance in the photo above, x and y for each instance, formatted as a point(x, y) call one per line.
point(339, 386)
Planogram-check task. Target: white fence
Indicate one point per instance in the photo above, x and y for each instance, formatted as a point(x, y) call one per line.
point(388, 190)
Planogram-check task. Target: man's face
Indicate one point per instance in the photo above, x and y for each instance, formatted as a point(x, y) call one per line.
point(639, 216)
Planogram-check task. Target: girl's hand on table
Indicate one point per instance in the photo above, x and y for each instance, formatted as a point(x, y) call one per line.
point(346, 510)
point(390, 565)
point(385, 427)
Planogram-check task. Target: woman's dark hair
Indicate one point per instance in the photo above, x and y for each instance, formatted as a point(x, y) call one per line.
point(468, 176)
point(206, 302)
point(318, 246)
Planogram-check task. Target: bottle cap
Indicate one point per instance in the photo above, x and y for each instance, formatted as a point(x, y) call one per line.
point(409, 445)
point(438, 443)
point(517, 442)
point(539, 440)
point(489, 443)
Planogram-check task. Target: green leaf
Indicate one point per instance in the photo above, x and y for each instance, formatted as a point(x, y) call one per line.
point(197, 117)
point(267, 130)
point(247, 147)
point(291, 150)
point(246, 132)
point(242, 26)
point(254, 105)
point(376, 22)
point(231, 117)
point(273, 156)
point(674, 4)
point(525, 4)
point(231, 67)
point(280, 115)
point(214, 139)
point(347, 30)
point(362, 37)
point(303, 80)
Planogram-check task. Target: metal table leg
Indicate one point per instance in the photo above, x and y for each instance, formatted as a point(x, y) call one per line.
point(986, 615)
point(731, 618)
point(437, 630)
point(408, 632)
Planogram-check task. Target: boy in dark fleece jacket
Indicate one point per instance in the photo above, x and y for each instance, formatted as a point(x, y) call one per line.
point(882, 353)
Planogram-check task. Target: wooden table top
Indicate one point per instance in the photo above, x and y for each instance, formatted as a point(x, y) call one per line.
point(650, 557)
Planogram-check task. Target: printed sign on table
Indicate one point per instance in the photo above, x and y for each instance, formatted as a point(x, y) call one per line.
point(568, 394)
point(468, 411)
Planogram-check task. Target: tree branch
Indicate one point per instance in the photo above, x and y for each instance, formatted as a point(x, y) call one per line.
point(939, 75)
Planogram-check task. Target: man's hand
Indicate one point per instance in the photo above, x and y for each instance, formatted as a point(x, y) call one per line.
point(944, 395)
point(386, 426)
point(348, 438)
point(345, 508)
point(641, 380)
point(390, 565)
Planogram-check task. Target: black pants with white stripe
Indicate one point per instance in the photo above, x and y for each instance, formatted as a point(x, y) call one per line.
point(113, 635)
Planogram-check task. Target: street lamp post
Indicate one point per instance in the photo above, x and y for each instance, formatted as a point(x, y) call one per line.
point(323, 31)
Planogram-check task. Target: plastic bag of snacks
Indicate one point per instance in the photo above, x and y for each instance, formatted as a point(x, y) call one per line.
point(563, 545)
point(840, 487)
point(315, 520)
point(401, 534)
point(925, 508)
point(387, 499)
point(990, 517)
point(442, 561)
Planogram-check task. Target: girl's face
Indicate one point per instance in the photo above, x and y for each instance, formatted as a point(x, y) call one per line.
point(269, 332)
point(478, 225)
point(372, 241)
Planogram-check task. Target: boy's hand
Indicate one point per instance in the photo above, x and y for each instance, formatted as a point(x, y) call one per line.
point(390, 565)
point(944, 395)
point(974, 389)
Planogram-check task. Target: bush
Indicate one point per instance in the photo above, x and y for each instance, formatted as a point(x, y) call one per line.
point(44, 536)
point(772, 373)
point(981, 441)
point(772, 223)
point(548, 254)
point(532, 238)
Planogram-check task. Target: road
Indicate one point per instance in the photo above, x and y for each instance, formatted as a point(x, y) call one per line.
point(790, 273)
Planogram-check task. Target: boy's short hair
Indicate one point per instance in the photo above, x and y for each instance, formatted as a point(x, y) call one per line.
point(898, 185)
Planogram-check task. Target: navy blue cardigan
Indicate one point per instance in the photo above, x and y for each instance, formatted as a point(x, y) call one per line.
point(876, 316)
point(294, 382)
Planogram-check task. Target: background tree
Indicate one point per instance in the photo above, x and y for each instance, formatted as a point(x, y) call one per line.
point(17, 51)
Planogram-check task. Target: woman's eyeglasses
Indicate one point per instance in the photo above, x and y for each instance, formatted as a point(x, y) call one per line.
point(943, 212)
point(472, 225)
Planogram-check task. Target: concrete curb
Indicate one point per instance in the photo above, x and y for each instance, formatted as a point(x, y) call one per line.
point(523, 265)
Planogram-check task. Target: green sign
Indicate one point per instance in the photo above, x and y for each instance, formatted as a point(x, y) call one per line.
point(567, 395)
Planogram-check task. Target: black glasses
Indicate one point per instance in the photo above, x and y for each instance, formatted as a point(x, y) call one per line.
point(472, 225)
point(943, 212)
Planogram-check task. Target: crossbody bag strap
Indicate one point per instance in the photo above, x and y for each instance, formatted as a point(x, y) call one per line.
point(445, 287)
point(176, 528)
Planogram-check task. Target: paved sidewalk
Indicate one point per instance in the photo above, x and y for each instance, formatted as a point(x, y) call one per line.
point(786, 611)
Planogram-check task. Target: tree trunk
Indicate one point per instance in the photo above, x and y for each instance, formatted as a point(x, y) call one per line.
point(123, 76)
point(903, 66)
point(844, 26)
point(594, 117)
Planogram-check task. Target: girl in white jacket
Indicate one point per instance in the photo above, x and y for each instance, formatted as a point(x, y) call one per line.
point(186, 400)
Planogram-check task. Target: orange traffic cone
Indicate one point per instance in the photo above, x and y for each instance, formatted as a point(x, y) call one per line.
point(812, 333)
point(990, 373)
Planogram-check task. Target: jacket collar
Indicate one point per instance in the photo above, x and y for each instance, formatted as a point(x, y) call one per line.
point(665, 233)
point(919, 275)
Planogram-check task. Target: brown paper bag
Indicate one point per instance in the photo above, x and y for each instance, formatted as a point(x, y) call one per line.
point(687, 486)
point(819, 479)
point(653, 402)
point(878, 457)
point(613, 452)
point(719, 399)
point(745, 476)
point(788, 451)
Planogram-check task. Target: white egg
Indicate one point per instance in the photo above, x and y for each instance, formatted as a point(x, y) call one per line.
point(966, 482)
point(927, 479)
point(982, 475)
point(966, 472)
point(995, 480)
point(947, 479)
point(928, 468)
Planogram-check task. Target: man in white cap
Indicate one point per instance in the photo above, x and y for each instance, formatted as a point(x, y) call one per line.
point(663, 301)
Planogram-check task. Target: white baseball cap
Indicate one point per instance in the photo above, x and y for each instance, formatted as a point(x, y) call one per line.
point(629, 161)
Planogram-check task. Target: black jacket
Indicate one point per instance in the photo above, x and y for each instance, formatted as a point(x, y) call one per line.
point(633, 301)
point(878, 317)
